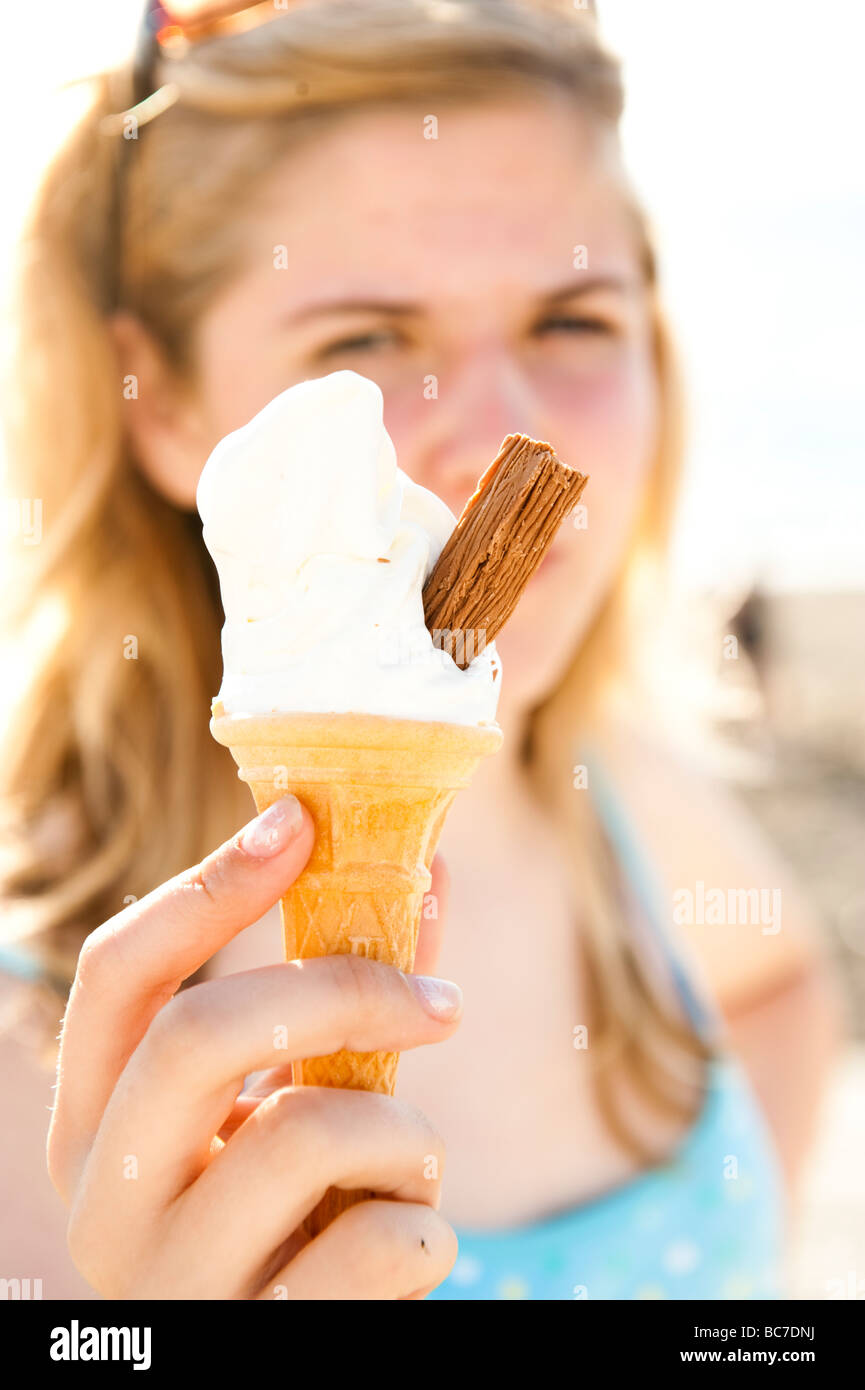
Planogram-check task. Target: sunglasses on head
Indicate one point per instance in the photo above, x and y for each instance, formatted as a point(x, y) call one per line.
point(187, 21)
point(184, 22)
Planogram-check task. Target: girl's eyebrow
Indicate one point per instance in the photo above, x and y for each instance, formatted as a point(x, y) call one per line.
point(622, 284)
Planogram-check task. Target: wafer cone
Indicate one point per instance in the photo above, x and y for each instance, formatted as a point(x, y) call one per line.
point(378, 790)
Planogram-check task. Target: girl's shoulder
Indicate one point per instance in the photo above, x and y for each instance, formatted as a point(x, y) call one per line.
point(730, 895)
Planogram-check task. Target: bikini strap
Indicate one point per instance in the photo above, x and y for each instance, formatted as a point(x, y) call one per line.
point(17, 963)
point(645, 888)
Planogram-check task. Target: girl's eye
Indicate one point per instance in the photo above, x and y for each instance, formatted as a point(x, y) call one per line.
point(359, 343)
point(569, 324)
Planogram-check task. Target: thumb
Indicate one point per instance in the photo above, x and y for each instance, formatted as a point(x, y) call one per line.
point(432, 919)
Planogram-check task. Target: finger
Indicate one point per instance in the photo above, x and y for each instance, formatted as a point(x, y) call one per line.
point(429, 945)
point(376, 1250)
point(433, 916)
point(241, 1110)
point(135, 962)
point(299, 1142)
point(185, 1077)
point(265, 1084)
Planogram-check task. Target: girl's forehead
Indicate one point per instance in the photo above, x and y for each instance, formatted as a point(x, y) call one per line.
point(501, 195)
point(513, 151)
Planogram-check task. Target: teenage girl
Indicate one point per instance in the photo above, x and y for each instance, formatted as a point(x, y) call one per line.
point(419, 191)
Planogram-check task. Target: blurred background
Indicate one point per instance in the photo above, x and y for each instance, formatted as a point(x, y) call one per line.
point(742, 133)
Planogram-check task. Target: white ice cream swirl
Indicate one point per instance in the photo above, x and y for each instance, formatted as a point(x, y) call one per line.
point(323, 546)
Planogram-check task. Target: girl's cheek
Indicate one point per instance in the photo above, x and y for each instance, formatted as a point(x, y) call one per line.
point(605, 424)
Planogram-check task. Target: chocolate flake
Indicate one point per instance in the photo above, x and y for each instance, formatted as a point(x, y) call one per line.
point(505, 530)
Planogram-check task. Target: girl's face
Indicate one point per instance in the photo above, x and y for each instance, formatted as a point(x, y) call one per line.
point(444, 269)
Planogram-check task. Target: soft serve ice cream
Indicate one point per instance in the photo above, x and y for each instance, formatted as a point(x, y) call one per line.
point(323, 545)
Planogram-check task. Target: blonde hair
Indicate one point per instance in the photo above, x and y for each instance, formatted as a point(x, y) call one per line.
point(110, 779)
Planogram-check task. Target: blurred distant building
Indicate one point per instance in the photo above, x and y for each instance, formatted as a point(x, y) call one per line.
point(808, 652)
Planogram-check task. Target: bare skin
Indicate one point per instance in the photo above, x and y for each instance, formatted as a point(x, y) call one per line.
point(465, 242)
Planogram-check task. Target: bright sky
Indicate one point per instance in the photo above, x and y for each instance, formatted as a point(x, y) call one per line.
point(743, 133)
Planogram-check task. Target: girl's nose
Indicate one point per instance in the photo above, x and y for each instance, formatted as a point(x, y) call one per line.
point(477, 406)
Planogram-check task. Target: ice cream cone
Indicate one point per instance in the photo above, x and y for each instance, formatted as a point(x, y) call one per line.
point(378, 790)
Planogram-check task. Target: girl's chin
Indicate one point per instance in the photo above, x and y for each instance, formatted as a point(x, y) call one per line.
point(533, 662)
point(543, 634)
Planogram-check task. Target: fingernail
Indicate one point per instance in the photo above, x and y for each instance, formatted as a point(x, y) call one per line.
point(442, 999)
point(273, 829)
